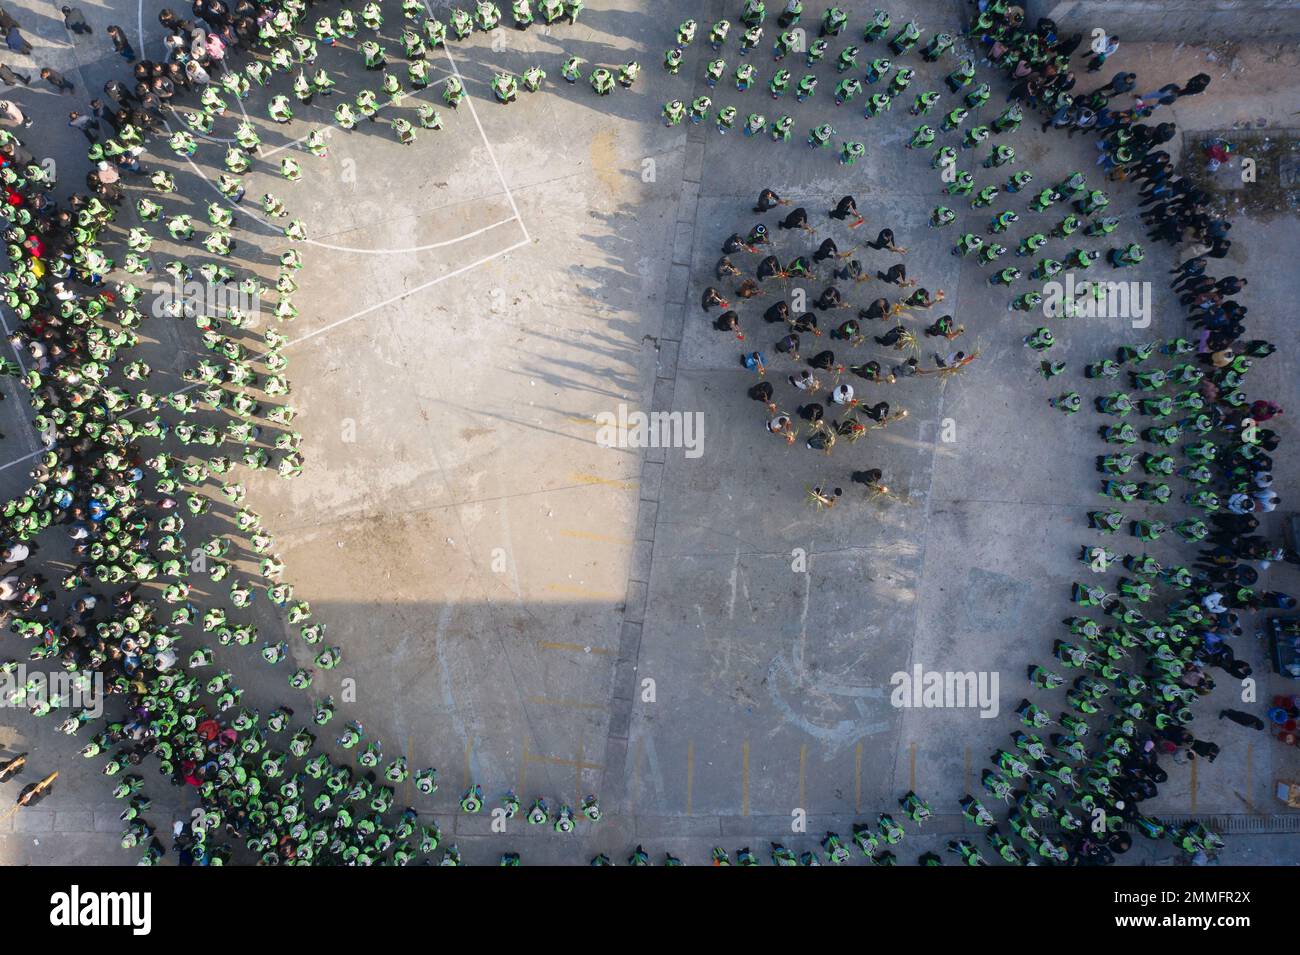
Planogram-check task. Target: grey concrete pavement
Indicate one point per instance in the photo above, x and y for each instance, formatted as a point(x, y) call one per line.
point(503, 586)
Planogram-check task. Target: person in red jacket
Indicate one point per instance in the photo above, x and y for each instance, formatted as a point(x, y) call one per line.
point(1263, 410)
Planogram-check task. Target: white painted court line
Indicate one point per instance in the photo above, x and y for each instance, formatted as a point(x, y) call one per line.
point(18, 392)
point(338, 248)
point(431, 245)
point(401, 295)
point(25, 457)
point(342, 321)
point(527, 240)
point(277, 230)
point(290, 144)
point(18, 355)
point(482, 135)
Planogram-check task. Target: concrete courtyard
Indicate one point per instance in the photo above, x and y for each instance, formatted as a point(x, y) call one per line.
point(524, 608)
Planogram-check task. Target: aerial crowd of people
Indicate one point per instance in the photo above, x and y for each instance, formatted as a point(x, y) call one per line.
point(1165, 622)
point(137, 487)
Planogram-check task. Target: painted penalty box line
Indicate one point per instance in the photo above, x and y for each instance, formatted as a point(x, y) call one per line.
point(343, 321)
point(487, 145)
point(516, 217)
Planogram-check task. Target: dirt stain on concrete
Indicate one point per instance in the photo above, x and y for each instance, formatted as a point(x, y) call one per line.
point(604, 160)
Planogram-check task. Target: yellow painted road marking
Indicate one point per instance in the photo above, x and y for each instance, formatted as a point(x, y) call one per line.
point(577, 591)
point(595, 479)
point(576, 647)
point(557, 761)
